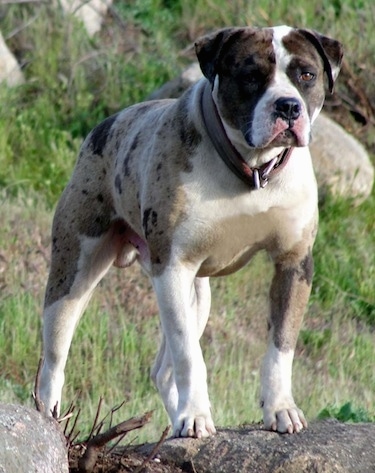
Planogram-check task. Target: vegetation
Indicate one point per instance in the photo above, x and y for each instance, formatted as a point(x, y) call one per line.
point(73, 82)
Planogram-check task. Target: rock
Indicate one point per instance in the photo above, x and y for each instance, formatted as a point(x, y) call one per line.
point(325, 447)
point(10, 71)
point(342, 165)
point(90, 12)
point(30, 442)
point(174, 88)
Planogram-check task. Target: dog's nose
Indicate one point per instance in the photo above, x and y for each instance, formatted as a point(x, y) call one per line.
point(288, 108)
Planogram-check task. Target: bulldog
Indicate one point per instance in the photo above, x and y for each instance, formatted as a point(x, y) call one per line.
point(191, 189)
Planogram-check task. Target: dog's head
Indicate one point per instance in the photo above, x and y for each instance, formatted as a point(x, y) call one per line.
point(268, 83)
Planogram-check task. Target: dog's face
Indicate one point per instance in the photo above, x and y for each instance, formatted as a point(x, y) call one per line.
point(268, 83)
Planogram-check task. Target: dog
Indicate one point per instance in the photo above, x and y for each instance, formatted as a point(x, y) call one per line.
point(192, 188)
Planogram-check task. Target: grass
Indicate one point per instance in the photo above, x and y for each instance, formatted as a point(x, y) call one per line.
point(73, 82)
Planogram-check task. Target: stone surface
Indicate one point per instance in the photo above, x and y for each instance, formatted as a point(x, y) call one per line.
point(90, 12)
point(10, 71)
point(30, 442)
point(325, 447)
point(342, 165)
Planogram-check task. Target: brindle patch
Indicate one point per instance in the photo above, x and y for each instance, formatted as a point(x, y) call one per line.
point(246, 68)
point(289, 294)
point(306, 270)
point(305, 58)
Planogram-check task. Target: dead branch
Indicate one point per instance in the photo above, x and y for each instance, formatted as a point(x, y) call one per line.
point(39, 404)
point(95, 423)
point(86, 464)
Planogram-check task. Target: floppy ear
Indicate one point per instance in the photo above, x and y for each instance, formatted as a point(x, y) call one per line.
point(208, 49)
point(330, 50)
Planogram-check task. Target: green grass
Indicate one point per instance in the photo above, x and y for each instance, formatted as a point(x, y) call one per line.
point(73, 82)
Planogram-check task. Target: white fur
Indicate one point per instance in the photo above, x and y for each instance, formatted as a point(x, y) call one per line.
point(279, 409)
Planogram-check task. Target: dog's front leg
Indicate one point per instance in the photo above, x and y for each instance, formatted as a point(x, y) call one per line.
point(183, 317)
point(162, 371)
point(290, 291)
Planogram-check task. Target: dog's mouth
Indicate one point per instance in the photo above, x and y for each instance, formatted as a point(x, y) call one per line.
point(286, 138)
point(292, 133)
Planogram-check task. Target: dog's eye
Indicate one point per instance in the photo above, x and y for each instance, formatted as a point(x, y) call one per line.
point(307, 76)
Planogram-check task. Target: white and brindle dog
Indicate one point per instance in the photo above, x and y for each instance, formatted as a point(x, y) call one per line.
point(193, 188)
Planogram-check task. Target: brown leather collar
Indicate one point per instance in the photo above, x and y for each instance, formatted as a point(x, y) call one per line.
point(253, 177)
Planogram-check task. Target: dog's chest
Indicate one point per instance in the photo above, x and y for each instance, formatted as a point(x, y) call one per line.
point(222, 235)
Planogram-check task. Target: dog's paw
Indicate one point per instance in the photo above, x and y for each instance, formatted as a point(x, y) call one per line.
point(190, 426)
point(288, 420)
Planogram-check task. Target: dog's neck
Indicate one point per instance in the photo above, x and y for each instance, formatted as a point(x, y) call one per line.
point(255, 178)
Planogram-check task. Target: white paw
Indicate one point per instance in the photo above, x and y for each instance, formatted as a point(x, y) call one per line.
point(288, 420)
point(194, 426)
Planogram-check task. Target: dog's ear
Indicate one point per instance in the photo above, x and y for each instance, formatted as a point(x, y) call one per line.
point(331, 52)
point(209, 48)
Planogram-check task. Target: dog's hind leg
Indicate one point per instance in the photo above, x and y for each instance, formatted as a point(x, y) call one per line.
point(78, 264)
point(163, 372)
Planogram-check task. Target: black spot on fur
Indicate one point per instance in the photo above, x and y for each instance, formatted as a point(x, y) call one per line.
point(150, 221)
point(100, 197)
point(125, 166)
point(129, 156)
point(118, 184)
point(98, 225)
point(156, 260)
point(54, 243)
point(135, 143)
point(99, 135)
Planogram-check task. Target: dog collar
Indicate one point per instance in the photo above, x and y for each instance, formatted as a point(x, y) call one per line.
point(256, 178)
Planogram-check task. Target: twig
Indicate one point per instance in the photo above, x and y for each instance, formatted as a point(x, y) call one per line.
point(94, 425)
point(39, 404)
point(193, 466)
point(70, 437)
point(154, 450)
point(88, 460)
point(67, 416)
point(113, 410)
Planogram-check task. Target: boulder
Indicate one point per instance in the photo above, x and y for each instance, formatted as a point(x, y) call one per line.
point(30, 442)
point(90, 12)
point(342, 165)
point(325, 447)
point(10, 71)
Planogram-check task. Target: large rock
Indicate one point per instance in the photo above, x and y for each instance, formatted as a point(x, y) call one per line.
point(30, 442)
point(325, 447)
point(10, 71)
point(341, 163)
point(90, 12)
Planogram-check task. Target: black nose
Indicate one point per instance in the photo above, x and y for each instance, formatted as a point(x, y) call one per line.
point(287, 108)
